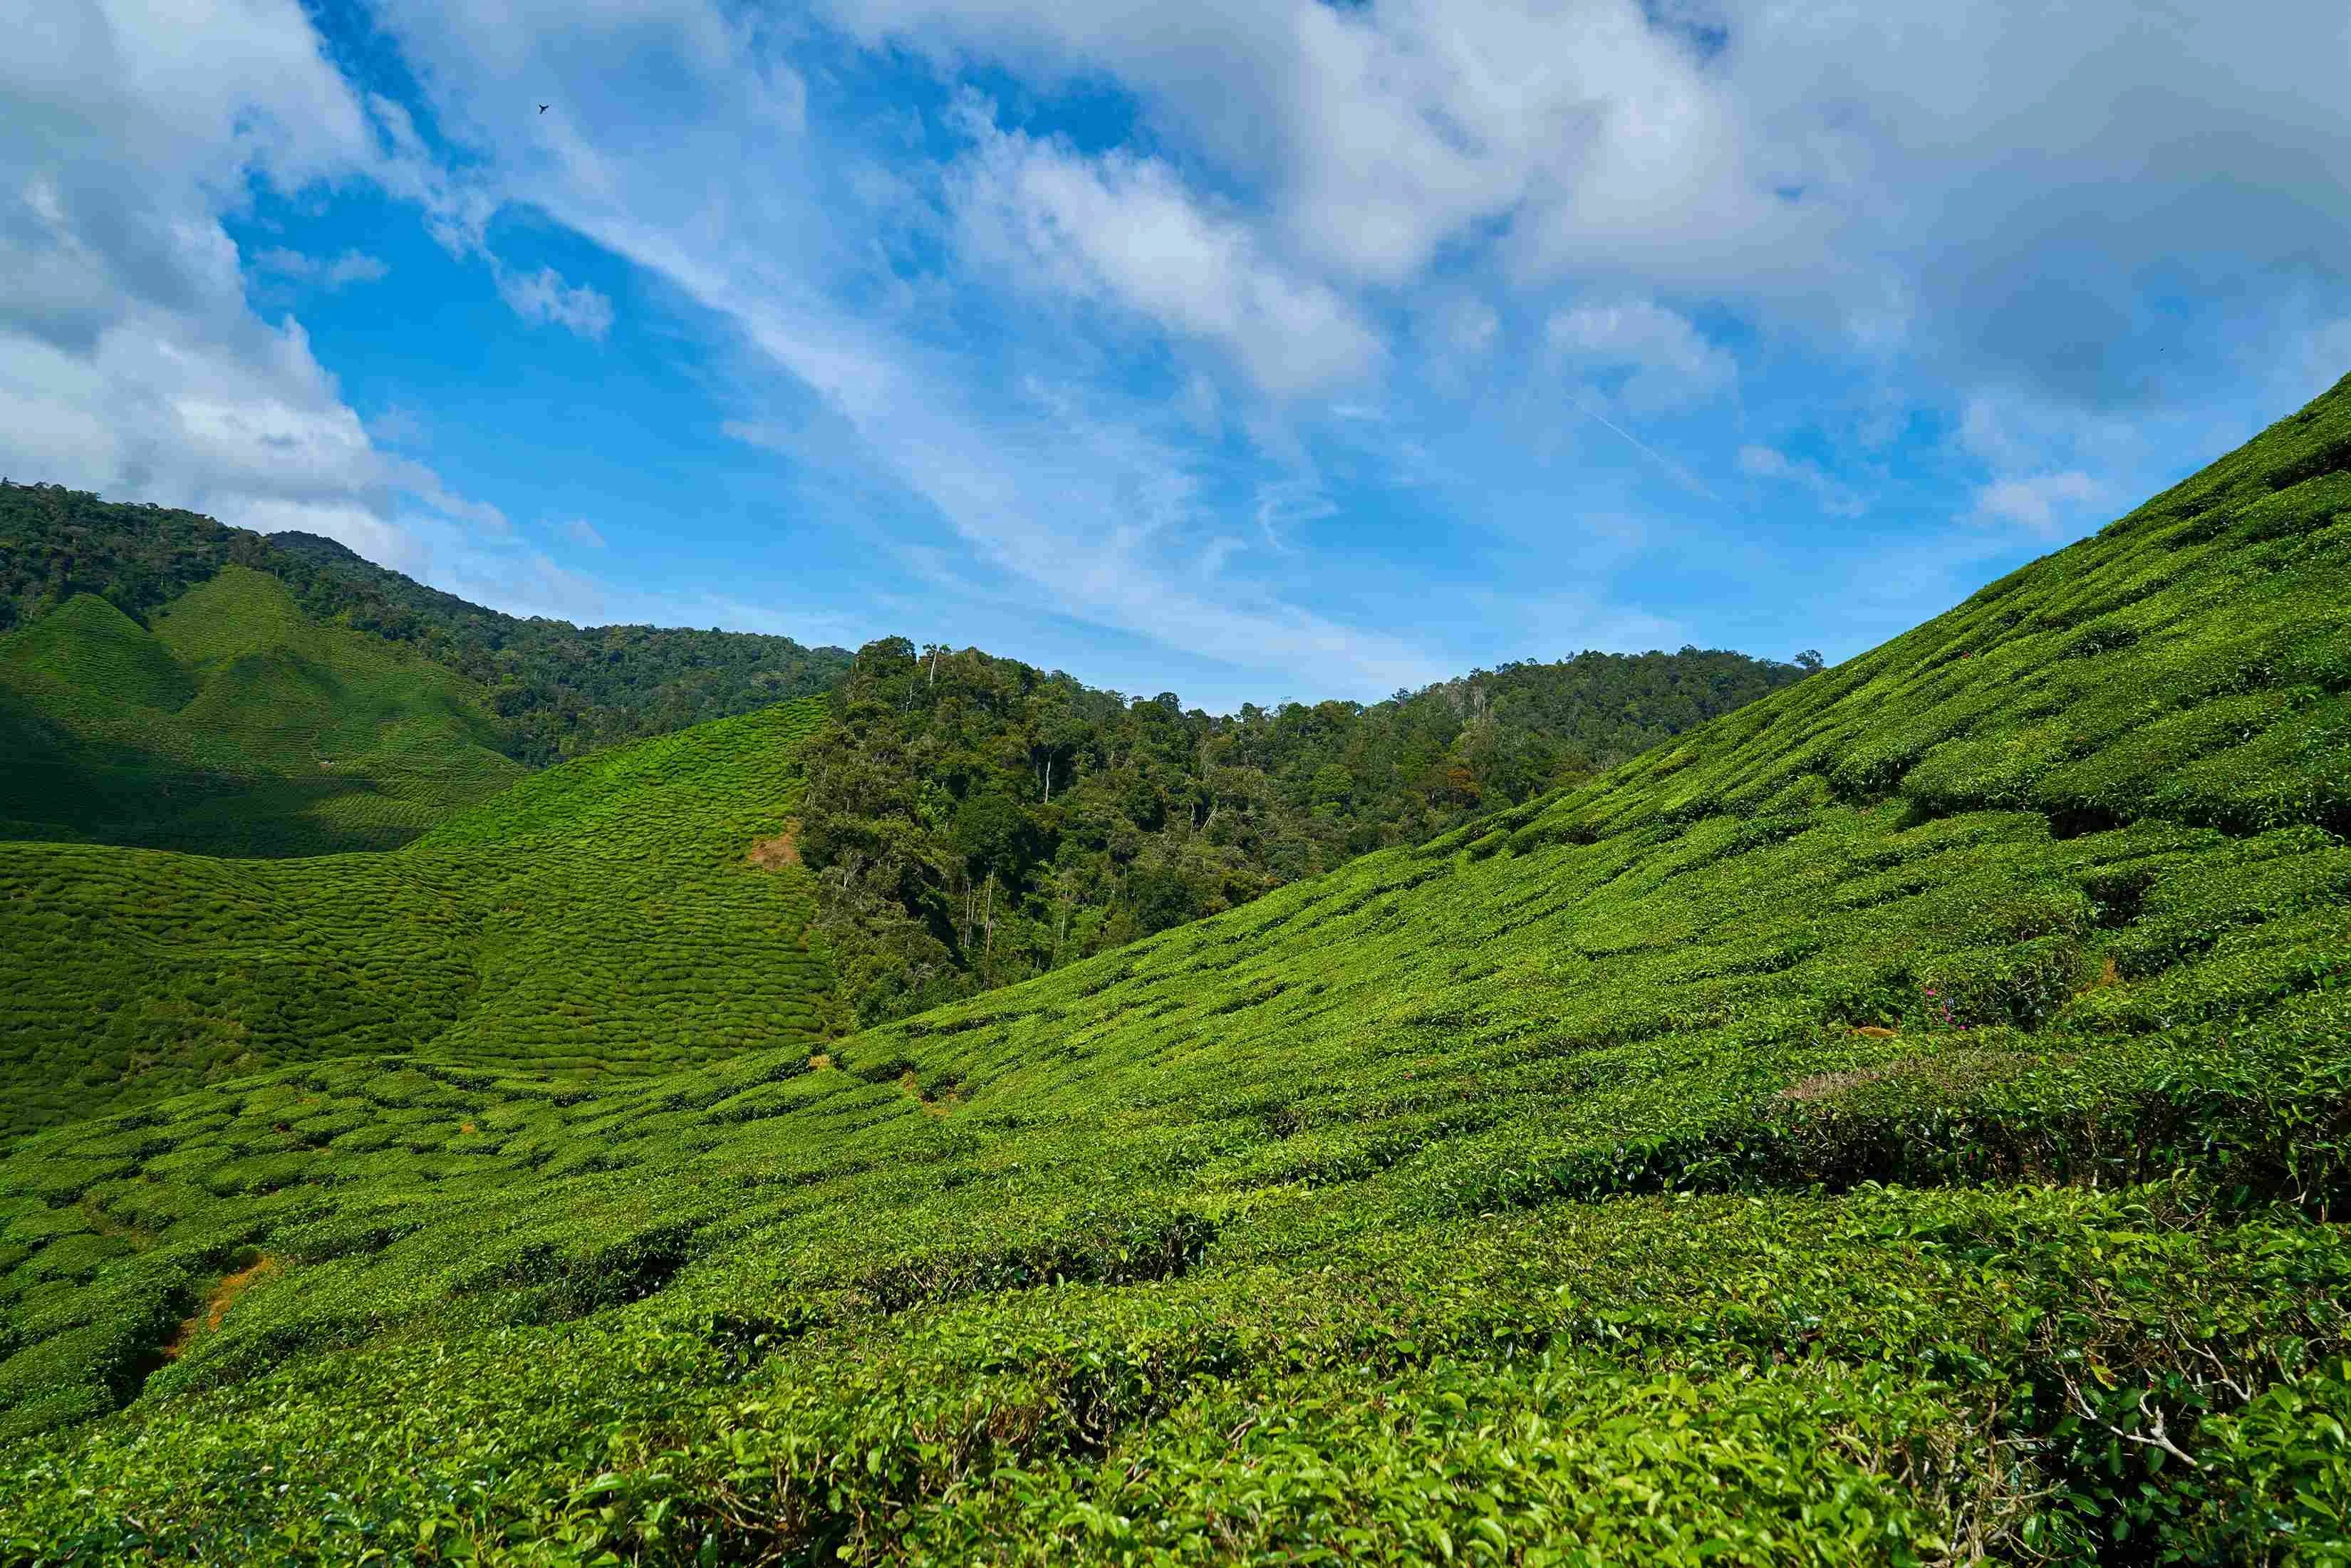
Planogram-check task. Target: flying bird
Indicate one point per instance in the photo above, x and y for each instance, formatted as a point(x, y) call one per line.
point(542, 108)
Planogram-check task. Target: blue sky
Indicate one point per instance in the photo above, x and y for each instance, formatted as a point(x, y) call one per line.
point(1256, 348)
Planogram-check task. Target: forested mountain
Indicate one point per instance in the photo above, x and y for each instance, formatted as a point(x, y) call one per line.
point(560, 690)
point(1904, 1120)
point(974, 821)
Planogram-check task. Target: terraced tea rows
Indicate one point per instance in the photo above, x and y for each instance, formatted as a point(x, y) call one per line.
point(234, 726)
point(1909, 1121)
point(600, 916)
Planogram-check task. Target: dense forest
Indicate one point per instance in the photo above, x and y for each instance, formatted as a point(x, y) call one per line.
point(973, 820)
point(562, 690)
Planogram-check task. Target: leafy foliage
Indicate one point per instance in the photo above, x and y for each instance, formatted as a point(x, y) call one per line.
point(974, 821)
point(560, 690)
point(234, 726)
point(1906, 1120)
point(599, 916)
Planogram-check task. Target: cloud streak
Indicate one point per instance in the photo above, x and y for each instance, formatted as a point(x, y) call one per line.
point(1092, 501)
point(545, 299)
point(1834, 497)
point(351, 266)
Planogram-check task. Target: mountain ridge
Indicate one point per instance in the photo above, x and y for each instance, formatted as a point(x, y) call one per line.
point(565, 690)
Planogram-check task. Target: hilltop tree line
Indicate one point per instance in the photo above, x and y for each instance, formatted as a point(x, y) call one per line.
point(562, 690)
point(973, 820)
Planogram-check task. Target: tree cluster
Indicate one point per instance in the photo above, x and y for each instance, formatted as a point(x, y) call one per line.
point(973, 820)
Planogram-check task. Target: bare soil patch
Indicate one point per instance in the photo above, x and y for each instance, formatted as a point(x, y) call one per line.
point(780, 850)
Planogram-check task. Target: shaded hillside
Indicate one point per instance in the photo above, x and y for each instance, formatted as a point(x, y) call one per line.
point(602, 915)
point(562, 690)
point(1907, 1120)
point(976, 821)
point(233, 724)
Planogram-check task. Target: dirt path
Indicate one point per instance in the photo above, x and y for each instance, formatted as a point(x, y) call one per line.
point(217, 1304)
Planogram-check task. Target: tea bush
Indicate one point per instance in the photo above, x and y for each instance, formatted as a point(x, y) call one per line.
point(602, 915)
point(1907, 1121)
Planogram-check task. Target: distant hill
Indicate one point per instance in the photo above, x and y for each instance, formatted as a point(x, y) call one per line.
point(233, 724)
point(560, 690)
point(604, 915)
point(1905, 1120)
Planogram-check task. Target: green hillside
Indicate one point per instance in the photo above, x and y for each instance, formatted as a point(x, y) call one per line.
point(1908, 1119)
point(559, 690)
point(599, 916)
point(975, 822)
point(233, 724)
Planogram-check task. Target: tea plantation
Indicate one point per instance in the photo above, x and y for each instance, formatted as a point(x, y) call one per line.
point(1907, 1121)
point(602, 915)
point(233, 724)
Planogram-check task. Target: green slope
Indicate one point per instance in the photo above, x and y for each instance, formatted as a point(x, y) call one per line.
point(599, 916)
point(234, 726)
point(975, 822)
point(560, 690)
point(1906, 1121)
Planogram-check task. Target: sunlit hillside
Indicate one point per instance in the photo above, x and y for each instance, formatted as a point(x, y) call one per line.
point(1903, 1120)
point(558, 690)
point(233, 724)
point(619, 913)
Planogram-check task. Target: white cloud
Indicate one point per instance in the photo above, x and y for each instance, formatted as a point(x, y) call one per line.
point(351, 266)
point(1670, 364)
point(2045, 459)
point(580, 531)
point(1125, 228)
point(1060, 490)
point(1982, 182)
point(1383, 133)
point(1466, 327)
point(2321, 358)
point(2042, 502)
point(543, 297)
point(1836, 498)
point(130, 359)
point(1368, 204)
point(1460, 341)
point(523, 583)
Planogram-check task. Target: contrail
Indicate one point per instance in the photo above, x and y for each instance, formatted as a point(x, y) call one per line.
point(1667, 464)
